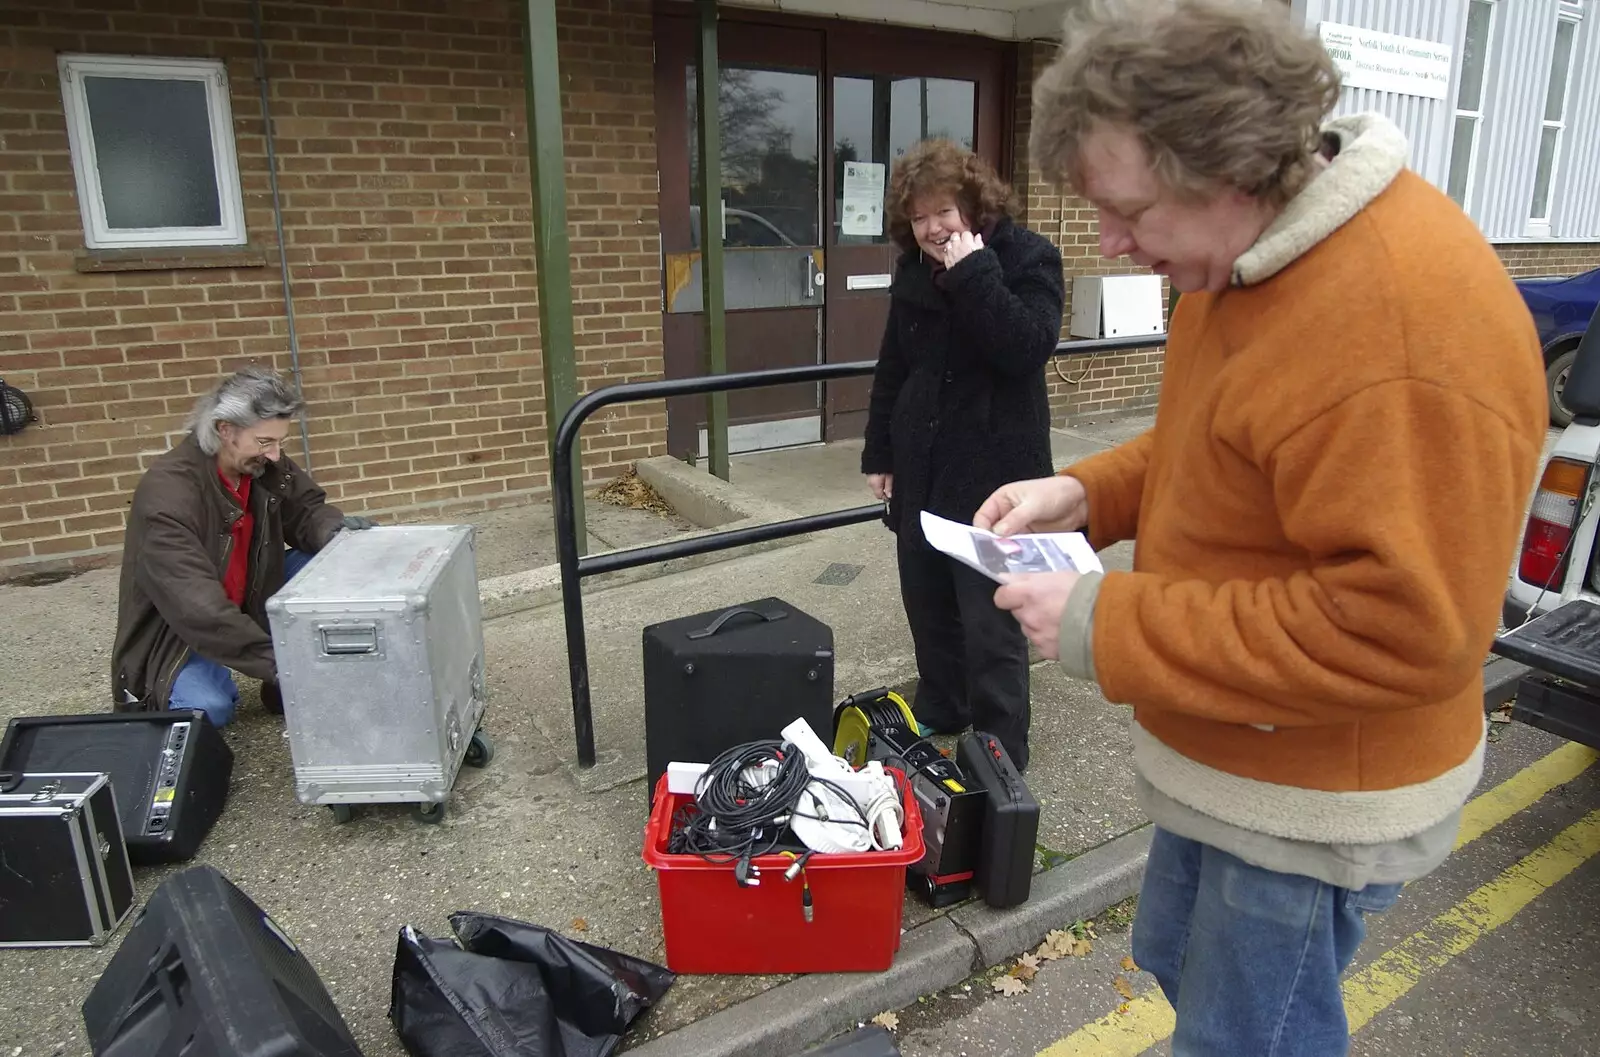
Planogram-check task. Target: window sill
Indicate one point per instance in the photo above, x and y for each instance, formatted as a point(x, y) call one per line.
point(170, 258)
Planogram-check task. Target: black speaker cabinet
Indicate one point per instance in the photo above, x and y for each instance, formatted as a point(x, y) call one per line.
point(203, 971)
point(170, 771)
point(723, 678)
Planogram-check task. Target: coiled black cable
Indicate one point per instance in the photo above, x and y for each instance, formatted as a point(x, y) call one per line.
point(734, 819)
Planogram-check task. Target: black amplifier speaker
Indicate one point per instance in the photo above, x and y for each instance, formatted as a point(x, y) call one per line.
point(879, 725)
point(723, 678)
point(204, 971)
point(169, 771)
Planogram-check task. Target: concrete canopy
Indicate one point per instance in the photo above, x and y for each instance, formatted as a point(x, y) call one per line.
point(1002, 19)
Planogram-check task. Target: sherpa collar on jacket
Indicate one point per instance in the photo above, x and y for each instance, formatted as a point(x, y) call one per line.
point(1369, 151)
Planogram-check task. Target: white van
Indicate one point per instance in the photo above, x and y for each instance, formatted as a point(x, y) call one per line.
point(1552, 604)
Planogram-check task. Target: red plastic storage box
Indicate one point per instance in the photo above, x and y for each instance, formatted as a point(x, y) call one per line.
point(712, 925)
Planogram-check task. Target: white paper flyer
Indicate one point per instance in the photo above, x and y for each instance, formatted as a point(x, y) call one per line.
point(862, 207)
point(994, 556)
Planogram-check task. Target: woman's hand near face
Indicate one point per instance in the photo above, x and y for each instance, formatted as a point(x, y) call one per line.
point(961, 245)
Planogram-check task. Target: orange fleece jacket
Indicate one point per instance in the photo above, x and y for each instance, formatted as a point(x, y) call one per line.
point(1326, 507)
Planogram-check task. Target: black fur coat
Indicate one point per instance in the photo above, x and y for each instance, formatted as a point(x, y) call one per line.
point(959, 406)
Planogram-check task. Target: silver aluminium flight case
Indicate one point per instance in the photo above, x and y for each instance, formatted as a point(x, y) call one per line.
point(379, 645)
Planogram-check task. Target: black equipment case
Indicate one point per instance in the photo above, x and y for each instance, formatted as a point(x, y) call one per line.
point(1010, 821)
point(719, 679)
point(66, 881)
point(170, 771)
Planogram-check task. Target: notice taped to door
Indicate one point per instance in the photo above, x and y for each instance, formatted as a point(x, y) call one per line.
point(861, 211)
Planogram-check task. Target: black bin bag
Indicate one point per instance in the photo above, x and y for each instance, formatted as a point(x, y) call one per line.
point(871, 1041)
point(507, 988)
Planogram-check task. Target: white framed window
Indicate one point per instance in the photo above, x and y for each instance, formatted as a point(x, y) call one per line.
point(152, 151)
point(1475, 52)
point(1555, 114)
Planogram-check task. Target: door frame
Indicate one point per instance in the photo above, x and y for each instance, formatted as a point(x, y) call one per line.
point(848, 48)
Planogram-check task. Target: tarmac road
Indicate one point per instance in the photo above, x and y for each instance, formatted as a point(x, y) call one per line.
point(1495, 954)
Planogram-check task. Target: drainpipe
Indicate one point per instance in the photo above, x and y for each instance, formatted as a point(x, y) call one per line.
point(277, 220)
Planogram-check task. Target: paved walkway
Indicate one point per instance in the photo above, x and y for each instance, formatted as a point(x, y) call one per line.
point(532, 836)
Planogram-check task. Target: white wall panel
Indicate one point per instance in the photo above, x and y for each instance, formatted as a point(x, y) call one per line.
point(1575, 211)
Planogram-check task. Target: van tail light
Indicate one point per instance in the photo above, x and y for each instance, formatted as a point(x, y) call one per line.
point(1551, 522)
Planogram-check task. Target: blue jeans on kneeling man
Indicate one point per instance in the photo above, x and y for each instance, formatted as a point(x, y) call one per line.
point(208, 686)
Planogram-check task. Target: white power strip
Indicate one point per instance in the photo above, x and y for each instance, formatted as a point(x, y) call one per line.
point(681, 777)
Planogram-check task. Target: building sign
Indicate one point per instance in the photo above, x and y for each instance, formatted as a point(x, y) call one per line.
point(1387, 63)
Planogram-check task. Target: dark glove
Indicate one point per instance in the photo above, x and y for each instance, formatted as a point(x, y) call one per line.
point(352, 522)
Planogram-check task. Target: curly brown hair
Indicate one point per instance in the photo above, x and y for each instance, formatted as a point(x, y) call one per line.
point(1220, 92)
point(938, 166)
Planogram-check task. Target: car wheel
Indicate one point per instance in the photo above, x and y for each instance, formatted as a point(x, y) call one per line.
point(1556, 384)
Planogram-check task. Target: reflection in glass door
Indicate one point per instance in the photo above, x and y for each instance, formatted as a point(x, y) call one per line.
point(875, 121)
point(770, 223)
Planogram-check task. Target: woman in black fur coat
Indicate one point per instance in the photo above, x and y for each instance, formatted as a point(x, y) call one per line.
point(958, 409)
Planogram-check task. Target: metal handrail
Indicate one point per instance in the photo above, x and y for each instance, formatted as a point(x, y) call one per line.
point(574, 568)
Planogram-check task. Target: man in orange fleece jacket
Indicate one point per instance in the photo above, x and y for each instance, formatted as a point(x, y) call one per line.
point(1350, 422)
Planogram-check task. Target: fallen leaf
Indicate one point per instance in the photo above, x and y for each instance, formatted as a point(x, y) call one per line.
point(1125, 1007)
point(1082, 948)
point(1129, 964)
point(1010, 985)
point(1499, 717)
point(580, 924)
point(1124, 988)
point(890, 1021)
point(1057, 944)
point(1027, 967)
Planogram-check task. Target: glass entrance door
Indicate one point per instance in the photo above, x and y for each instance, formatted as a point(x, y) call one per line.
point(888, 91)
point(769, 95)
point(811, 121)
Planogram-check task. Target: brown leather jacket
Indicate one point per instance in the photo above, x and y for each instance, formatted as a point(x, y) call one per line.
point(171, 603)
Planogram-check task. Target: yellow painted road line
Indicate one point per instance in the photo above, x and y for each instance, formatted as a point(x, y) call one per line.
point(1148, 1019)
point(1397, 970)
point(1143, 1022)
point(1522, 790)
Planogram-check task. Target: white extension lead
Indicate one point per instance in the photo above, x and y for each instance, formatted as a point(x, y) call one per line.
point(836, 827)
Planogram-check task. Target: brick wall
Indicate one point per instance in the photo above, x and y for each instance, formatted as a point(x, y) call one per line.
point(402, 159)
point(1548, 258)
point(1089, 386)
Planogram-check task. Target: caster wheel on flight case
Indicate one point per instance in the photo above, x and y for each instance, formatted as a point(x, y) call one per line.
point(480, 750)
point(430, 813)
point(342, 813)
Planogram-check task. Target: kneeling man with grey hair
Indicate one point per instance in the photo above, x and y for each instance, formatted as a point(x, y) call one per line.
point(218, 525)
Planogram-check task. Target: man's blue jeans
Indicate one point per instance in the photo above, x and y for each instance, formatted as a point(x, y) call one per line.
point(207, 685)
point(1249, 958)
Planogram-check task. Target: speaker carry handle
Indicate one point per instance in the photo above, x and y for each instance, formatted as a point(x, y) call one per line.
point(9, 780)
point(728, 614)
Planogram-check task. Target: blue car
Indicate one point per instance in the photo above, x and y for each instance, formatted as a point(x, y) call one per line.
point(1562, 307)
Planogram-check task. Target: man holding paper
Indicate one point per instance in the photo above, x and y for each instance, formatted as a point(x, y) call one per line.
point(1325, 508)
